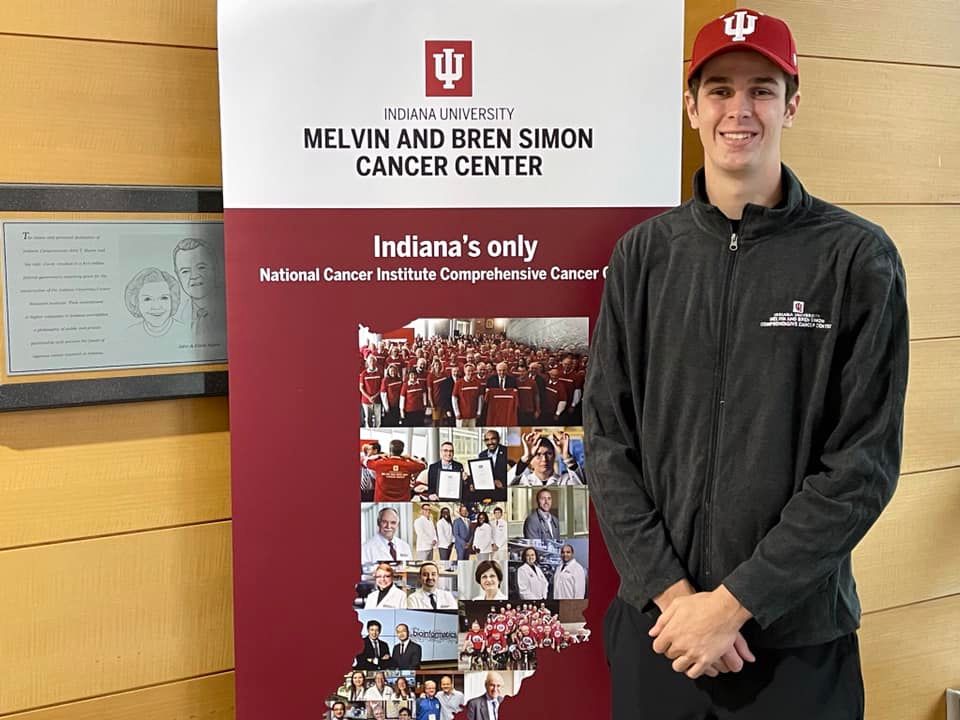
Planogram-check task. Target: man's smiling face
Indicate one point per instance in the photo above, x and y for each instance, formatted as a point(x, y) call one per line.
point(740, 112)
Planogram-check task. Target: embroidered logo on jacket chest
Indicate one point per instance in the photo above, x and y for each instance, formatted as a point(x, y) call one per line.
point(797, 318)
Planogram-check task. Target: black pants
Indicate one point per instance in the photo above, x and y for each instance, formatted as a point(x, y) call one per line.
point(414, 418)
point(818, 682)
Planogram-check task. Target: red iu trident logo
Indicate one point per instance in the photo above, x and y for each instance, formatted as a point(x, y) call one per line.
point(449, 66)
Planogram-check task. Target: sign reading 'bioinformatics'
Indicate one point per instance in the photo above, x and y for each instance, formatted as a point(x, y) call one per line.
point(420, 199)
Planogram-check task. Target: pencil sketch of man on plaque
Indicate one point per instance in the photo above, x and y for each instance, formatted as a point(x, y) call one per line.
point(196, 265)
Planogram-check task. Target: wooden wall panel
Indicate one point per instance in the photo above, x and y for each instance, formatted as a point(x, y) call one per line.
point(92, 617)
point(920, 31)
point(161, 22)
point(872, 133)
point(209, 698)
point(95, 112)
point(927, 237)
point(113, 468)
point(697, 14)
point(931, 437)
point(910, 555)
point(909, 657)
point(82, 491)
point(691, 157)
point(25, 430)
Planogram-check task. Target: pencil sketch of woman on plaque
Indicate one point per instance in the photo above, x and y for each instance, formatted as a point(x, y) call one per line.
point(153, 296)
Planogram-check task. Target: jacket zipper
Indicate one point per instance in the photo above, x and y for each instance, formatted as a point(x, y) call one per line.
point(718, 403)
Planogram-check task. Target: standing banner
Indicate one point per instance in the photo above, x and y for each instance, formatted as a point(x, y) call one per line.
point(420, 199)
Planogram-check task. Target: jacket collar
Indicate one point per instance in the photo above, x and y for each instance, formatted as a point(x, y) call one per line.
point(757, 221)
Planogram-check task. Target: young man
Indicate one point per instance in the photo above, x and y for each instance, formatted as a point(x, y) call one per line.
point(570, 579)
point(462, 533)
point(541, 523)
point(446, 462)
point(396, 474)
point(743, 414)
point(376, 653)
point(429, 596)
point(425, 531)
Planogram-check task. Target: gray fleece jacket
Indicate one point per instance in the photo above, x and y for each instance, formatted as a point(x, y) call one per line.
point(743, 407)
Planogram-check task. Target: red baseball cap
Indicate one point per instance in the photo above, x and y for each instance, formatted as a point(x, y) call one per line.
point(746, 29)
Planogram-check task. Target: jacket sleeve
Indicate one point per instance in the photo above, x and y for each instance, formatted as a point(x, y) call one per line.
point(632, 526)
point(860, 459)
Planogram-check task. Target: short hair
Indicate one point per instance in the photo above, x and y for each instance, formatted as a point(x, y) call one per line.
point(437, 567)
point(341, 703)
point(485, 565)
point(374, 623)
point(404, 710)
point(792, 83)
point(131, 294)
point(189, 243)
point(493, 675)
point(386, 567)
point(540, 492)
point(408, 632)
point(498, 509)
point(445, 443)
point(396, 447)
point(387, 509)
point(494, 433)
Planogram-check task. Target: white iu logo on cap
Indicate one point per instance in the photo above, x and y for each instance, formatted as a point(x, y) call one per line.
point(448, 67)
point(739, 25)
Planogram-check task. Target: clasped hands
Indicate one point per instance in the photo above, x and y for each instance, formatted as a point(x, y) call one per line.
point(700, 631)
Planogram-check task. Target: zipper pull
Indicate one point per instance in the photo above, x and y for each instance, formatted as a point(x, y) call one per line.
point(734, 242)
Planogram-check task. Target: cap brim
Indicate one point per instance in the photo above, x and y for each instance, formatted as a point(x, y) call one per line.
point(772, 57)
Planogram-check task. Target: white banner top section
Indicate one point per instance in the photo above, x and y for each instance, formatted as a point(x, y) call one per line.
point(432, 103)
